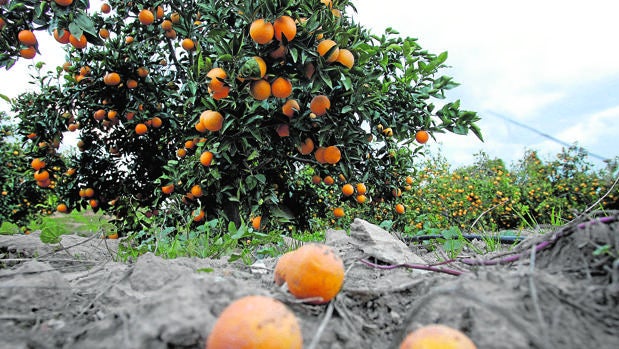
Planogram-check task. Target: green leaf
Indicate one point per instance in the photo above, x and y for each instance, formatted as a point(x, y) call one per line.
point(85, 23)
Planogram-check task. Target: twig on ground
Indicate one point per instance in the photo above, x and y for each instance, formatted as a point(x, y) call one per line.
point(412, 266)
point(323, 325)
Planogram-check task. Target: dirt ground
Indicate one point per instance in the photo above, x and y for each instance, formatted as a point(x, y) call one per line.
point(75, 295)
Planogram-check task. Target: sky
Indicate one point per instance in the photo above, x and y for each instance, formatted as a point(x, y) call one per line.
point(550, 66)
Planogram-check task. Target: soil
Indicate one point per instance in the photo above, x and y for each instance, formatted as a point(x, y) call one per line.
point(76, 295)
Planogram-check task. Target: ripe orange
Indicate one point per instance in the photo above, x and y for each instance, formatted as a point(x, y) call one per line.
point(146, 17)
point(346, 58)
point(63, 3)
point(131, 84)
point(94, 203)
point(112, 114)
point(141, 129)
point(78, 43)
point(168, 189)
point(106, 8)
point(260, 89)
point(279, 52)
point(396, 192)
point(211, 120)
point(256, 322)
point(170, 34)
point(28, 52)
point(283, 130)
point(142, 72)
point(159, 12)
point(281, 268)
point(338, 212)
point(221, 93)
point(26, 37)
point(281, 87)
point(41, 175)
point(284, 26)
point(332, 155)
point(85, 70)
point(198, 215)
point(399, 208)
point(328, 49)
point(175, 17)
point(437, 336)
point(62, 208)
point(409, 180)
point(307, 146)
point(188, 44)
point(99, 115)
point(328, 180)
point(361, 188)
point(166, 25)
point(104, 33)
point(290, 107)
point(206, 158)
point(255, 222)
point(320, 104)
point(316, 179)
point(422, 136)
point(261, 31)
point(348, 189)
point(128, 40)
point(64, 38)
point(2, 23)
point(217, 76)
point(89, 192)
point(315, 271)
point(361, 198)
point(320, 155)
point(196, 191)
point(111, 79)
point(181, 153)
point(37, 164)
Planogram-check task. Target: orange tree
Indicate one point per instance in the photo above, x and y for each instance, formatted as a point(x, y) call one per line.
point(191, 111)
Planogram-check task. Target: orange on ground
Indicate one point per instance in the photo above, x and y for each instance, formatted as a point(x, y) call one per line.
point(320, 104)
point(260, 89)
point(361, 188)
point(422, 136)
point(346, 58)
point(328, 180)
point(141, 129)
point(168, 189)
point(78, 43)
point(307, 146)
point(290, 107)
point(261, 31)
point(283, 130)
point(196, 191)
point(320, 155)
point(348, 189)
point(284, 26)
point(188, 44)
point(112, 236)
point(217, 76)
point(256, 322)
point(332, 155)
point(255, 222)
point(281, 87)
point(62, 208)
point(211, 120)
point(28, 52)
point(26, 37)
point(146, 17)
point(111, 79)
point(206, 158)
point(399, 208)
point(338, 212)
point(328, 49)
point(315, 271)
point(64, 39)
point(281, 268)
point(437, 336)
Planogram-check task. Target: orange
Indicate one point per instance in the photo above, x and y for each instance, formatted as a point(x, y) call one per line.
point(217, 76)
point(279, 52)
point(142, 72)
point(409, 180)
point(361, 198)
point(281, 87)
point(253, 68)
point(37, 164)
point(181, 153)
point(128, 40)
point(175, 17)
point(320, 155)
point(131, 84)
point(99, 114)
point(63, 3)
point(256, 322)
point(422, 136)
point(196, 191)
point(78, 43)
point(112, 114)
point(361, 188)
point(283, 130)
point(290, 108)
point(156, 122)
point(26, 37)
point(64, 38)
point(211, 120)
point(104, 33)
point(2, 23)
point(106, 8)
point(166, 25)
point(221, 93)
point(198, 215)
point(28, 52)
point(170, 34)
point(255, 222)
point(348, 189)
point(338, 212)
point(260, 89)
point(146, 17)
point(261, 31)
point(332, 155)
point(316, 271)
point(328, 180)
point(62, 208)
point(284, 26)
point(399, 208)
point(346, 58)
point(206, 158)
point(396, 192)
point(328, 50)
point(200, 127)
point(307, 146)
point(437, 336)
point(188, 44)
point(89, 192)
point(316, 179)
point(112, 236)
point(94, 203)
point(85, 70)
point(159, 12)
point(281, 268)
point(168, 189)
point(141, 129)
point(190, 144)
point(111, 79)
point(320, 104)
point(328, 3)
point(41, 175)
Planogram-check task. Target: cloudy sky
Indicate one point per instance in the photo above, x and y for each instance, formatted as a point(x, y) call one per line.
point(552, 66)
